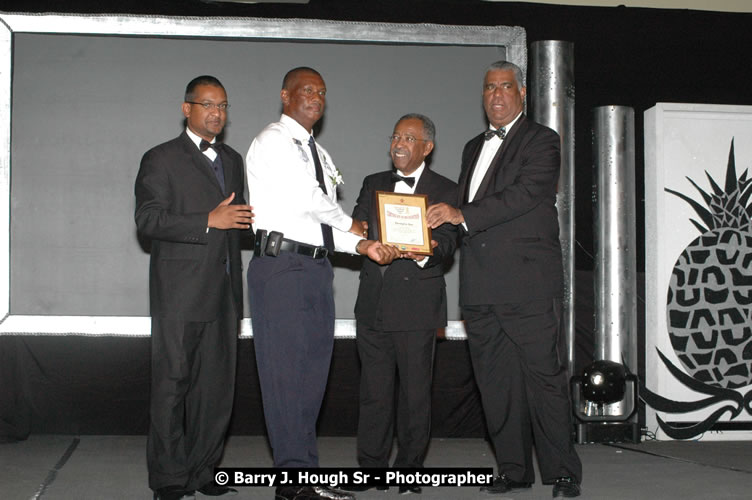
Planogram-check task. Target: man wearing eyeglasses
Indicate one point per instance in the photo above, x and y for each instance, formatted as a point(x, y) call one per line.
point(293, 183)
point(190, 204)
point(399, 308)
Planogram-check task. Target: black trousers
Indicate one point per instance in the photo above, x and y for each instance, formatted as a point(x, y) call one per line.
point(383, 357)
point(292, 313)
point(192, 390)
point(515, 351)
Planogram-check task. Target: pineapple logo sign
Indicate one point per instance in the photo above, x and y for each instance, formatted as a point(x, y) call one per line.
point(709, 305)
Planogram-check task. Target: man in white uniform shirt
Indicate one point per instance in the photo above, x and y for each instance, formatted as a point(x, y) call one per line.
point(292, 181)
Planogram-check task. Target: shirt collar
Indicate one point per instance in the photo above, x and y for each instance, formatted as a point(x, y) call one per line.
point(297, 130)
point(196, 139)
point(509, 125)
point(416, 175)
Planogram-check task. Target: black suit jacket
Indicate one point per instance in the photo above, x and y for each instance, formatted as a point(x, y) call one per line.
point(510, 252)
point(175, 191)
point(406, 296)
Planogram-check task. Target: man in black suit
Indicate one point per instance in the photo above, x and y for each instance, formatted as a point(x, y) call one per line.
point(190, 204)
point(399, 308)
point(511, 283)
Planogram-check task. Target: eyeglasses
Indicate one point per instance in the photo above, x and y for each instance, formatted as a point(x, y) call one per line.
point(310, 91)
point(407, 138)
point(210, 105)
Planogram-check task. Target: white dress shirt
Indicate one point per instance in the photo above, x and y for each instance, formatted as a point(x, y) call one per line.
point(404, 187)
point(284, 192)
point(487, 154)
point(209, 153)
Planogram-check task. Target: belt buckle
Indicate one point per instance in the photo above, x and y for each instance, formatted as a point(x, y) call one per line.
point(320, 253)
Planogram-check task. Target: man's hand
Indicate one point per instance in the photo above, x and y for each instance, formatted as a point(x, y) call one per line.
point(418, 258)
point(378, 252)
point(227, 216)
point(441, 212)
point(359, 227)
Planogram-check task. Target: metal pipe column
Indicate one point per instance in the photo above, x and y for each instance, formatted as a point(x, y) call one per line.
point(615, 235)
point(551, 103)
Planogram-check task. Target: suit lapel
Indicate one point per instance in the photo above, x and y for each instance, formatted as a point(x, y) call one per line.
point(467, 173)
point(200, 161)
point(386, 183)
point(383, 183)
point(509, 143)
point(425, 183)
point(422, 182)
point(227, 168)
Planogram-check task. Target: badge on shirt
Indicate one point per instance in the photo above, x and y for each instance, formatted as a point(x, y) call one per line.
point(303, 154)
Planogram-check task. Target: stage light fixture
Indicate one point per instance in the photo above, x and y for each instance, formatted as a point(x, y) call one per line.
point(604, 382)
point(604, 402)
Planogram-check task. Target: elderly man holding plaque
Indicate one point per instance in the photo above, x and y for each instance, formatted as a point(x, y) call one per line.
point(400, 306)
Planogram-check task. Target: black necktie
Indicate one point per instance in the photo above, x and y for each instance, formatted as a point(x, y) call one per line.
point(410, 181)
point(326, 229)
point(204, 145)
point(500, 132)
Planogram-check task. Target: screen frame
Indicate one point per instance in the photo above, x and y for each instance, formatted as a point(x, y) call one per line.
point(511, 39)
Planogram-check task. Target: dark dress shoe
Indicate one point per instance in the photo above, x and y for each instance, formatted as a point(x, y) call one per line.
point(406, 490)
point(293, 493)
point(363, 487)
point(566, 487)
point(215, 490)
point(172, 493)
point(502, 484)
point(327, 493)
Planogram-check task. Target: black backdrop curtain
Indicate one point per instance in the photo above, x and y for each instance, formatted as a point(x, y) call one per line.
point(100, 385)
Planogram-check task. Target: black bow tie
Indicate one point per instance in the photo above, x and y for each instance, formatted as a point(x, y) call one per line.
point(204, 145)
point(500, 132)
point(410, 181)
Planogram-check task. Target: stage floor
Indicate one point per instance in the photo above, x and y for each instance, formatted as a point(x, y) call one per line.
point(114, 467)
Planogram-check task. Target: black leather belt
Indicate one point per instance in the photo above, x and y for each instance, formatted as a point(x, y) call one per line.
point(270, 243)
point(303, 249)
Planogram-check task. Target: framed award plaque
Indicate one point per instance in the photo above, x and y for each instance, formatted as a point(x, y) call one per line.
point(402, 222)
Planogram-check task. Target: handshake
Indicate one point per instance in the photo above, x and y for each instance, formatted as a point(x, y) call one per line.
point(378, 252)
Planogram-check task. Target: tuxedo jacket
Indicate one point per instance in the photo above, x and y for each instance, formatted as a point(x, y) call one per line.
point(510, 252)
point(175, 190)
point(406, 296)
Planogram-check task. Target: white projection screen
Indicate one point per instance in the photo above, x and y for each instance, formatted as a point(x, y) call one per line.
point(83, 97)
